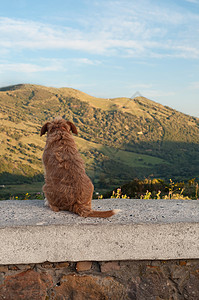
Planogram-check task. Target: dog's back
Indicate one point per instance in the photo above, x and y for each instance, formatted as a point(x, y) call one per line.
point(67, 187)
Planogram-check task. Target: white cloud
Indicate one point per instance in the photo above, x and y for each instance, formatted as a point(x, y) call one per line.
point(84, 61)
point(193, 1)
point(67, 62)
point(194, 85)
point(27, 68)
point(43, 65)
point(33, 35)
point(125, 28)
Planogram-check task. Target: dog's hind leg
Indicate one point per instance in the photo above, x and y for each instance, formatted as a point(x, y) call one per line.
point(46, 203)
point(54, 208)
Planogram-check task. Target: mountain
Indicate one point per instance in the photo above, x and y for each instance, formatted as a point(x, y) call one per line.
point(119, 138)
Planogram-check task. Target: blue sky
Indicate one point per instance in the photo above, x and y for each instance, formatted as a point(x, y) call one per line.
point(105, 48)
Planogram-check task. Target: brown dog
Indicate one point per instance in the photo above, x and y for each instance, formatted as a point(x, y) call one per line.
point(67, 187)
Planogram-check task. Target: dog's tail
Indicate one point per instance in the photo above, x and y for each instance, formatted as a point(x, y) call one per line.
point(102, 214)
point(85, 212)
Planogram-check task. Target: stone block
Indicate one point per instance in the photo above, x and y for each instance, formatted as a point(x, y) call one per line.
point(3, 269)
point(26, 285)
point(150, 286)
point(62, 265)
point(191, 288)
point(90, 287)
point(109, 266)
point(137, 233)
point(13, 268)
point(83, 266)
point(47, 265)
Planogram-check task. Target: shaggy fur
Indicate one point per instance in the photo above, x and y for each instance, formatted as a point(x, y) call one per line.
point(67, 187)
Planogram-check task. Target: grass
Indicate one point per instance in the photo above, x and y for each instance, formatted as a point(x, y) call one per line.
point(169, 190)
point(133, 159)
point(129, 158)
point(20, 190)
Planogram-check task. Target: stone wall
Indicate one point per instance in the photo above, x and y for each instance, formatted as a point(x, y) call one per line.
point(117, 280)
point(149, 251)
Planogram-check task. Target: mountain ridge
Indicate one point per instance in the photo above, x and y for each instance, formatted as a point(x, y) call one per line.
point(119, 138)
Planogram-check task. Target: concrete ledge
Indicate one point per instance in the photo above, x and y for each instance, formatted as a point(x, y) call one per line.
point(143, 230)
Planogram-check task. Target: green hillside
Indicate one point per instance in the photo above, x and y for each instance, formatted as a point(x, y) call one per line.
point(119, 138)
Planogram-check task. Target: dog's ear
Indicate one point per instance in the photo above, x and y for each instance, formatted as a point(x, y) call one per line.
point(72, 127)
point(44, 128)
